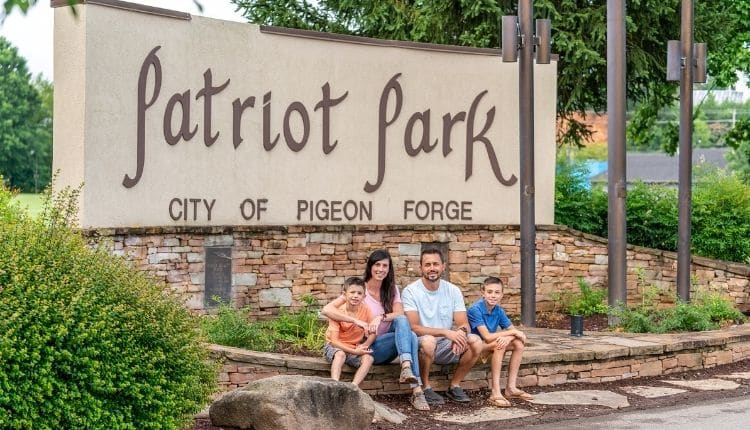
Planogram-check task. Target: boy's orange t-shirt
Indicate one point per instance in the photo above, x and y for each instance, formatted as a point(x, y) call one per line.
point(347, 332)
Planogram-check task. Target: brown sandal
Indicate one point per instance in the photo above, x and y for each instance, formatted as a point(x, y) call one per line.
point(500, 402)
point(523, 395)
point(419, 402)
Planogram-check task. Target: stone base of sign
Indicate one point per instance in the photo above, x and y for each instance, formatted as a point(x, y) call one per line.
point(275, 267)
point(552, 357)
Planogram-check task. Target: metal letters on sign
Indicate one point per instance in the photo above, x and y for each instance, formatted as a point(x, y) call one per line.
point(218, 269)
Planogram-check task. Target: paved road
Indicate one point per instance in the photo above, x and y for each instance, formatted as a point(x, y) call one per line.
point(731, 414)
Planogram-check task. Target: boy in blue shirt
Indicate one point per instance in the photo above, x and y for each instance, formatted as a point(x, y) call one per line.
point(488, 320)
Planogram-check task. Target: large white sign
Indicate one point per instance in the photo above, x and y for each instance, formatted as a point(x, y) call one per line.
point(170, 119)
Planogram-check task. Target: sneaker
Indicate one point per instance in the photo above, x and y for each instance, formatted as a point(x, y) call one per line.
point(407, 376)
point(433, 398)
point(457, 395)
point(419, 402)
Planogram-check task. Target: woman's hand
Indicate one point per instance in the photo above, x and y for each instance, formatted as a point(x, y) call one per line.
point(374, 324)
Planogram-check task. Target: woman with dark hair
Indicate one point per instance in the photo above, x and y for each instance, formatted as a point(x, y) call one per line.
point(394, 335)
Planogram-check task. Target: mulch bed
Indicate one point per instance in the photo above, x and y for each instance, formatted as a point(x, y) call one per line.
point(562, 322)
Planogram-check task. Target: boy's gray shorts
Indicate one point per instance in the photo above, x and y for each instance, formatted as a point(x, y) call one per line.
point(444, 350)
point(351, 359)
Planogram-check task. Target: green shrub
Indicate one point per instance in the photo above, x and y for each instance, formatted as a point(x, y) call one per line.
point(232, 327)
point(707, 311)
point(587, 301)
point(576, 204)
point(721, 216)
point(719, 307)
point(85, 341)
point(652, 216)
point(686, 317)
point(302, 330)
point(633, 321)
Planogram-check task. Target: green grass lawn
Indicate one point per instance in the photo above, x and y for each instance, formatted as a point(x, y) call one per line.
point(32, 202)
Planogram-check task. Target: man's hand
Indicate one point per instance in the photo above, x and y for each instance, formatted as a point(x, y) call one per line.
point(460, 341)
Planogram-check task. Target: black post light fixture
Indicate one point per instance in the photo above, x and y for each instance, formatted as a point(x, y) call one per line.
point(513, 39)
point(686, 62)
point(519, 40)
point(675, 62)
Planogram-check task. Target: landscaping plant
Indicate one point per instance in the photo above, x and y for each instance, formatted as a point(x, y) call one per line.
point(720, 212)
point(721, 216)
point(232, 327)
point(708, 310)
point(299, 331)
point(586, 301)
point(86, 342)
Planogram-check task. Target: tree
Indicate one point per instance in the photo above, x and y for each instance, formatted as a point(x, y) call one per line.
point(739, 158)
point(25, 123)
point(579, 32)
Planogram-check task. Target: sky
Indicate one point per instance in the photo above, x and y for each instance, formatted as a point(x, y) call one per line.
point(32, 33)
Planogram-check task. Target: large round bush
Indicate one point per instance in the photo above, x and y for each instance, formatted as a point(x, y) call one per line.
point(85, 341)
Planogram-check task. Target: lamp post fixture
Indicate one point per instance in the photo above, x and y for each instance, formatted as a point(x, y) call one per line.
point(519, 43)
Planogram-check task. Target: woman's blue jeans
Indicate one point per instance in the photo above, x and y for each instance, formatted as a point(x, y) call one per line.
point(399, 342)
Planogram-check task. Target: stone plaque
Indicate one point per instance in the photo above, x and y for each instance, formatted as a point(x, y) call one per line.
point(218, 275)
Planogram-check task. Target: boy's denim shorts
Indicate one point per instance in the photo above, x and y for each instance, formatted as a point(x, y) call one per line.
point(352, 360)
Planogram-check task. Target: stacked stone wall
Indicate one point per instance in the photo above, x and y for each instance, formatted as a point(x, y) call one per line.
point(276, 267)
point(599, 357)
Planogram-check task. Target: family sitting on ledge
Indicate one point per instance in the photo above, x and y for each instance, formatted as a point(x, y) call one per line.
point(372, 323)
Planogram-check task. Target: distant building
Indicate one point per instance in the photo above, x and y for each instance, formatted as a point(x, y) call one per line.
point(739, 94)
point(661, 168)
point(722, 96)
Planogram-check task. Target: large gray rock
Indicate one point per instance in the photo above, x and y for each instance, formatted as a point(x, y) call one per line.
point(294, 402)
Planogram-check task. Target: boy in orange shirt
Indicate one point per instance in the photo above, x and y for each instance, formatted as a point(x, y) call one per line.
point(349, 342)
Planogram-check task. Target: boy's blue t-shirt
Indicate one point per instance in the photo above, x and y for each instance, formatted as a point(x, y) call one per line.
point(479, 316)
